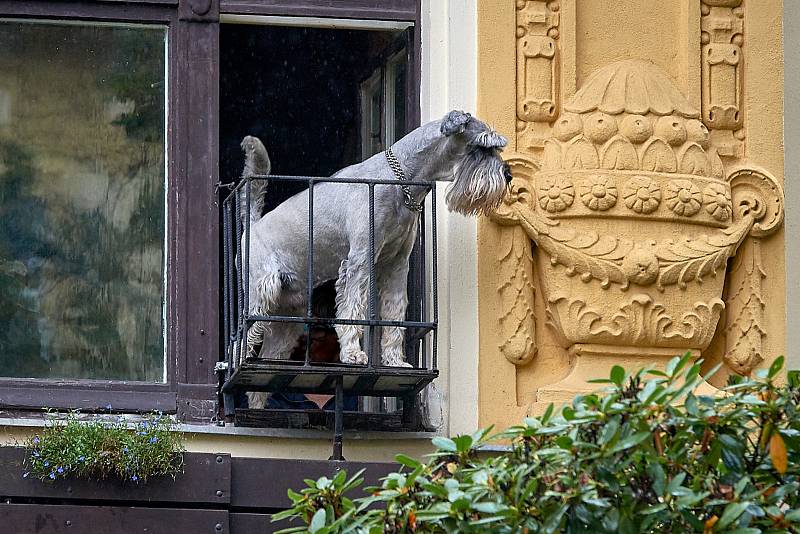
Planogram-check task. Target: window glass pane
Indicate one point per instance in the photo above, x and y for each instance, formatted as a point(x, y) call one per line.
point(82, 187)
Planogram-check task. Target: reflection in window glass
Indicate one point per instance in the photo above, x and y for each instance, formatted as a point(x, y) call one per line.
point(82, 181)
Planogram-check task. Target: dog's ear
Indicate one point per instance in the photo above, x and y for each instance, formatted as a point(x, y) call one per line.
point(455, 122)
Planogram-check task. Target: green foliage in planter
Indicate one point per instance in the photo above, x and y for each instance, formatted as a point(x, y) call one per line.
point(100, 449)
point(647, 454)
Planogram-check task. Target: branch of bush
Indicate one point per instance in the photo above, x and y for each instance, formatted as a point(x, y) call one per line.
point(645, 454)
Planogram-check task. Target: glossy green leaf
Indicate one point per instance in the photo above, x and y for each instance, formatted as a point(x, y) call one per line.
point(617, 375)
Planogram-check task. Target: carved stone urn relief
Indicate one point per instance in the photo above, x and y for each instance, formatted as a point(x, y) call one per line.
point(633, 217)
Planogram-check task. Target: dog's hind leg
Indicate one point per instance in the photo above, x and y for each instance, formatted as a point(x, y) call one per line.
point(278, 342)
point(351, 300)
point(273, 293)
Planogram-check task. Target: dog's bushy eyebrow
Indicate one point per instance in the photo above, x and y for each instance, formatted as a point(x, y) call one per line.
point(488, 139)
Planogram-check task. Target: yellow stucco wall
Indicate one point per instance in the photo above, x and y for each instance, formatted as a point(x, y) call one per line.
point(543, 53)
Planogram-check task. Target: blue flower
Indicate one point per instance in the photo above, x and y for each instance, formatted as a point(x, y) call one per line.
point(153, 439)
point(36, 454)
point(124, 449)
point(36, 440)
point(52, 475)
point(134, 478)
point(81, 458)
point(46, 463)
point(60, 470)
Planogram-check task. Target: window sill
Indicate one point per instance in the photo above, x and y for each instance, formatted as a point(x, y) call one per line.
point(230, 430)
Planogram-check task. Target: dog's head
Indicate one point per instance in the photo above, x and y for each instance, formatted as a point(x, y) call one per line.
point(479, 175)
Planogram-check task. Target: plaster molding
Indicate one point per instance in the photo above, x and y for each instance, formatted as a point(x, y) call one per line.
point(649, 116)
point(611, 259)
point(758, 194)
point(721, 38)
point(517, 340)
point(629, 148)
point(537, 69)
point(639, 321)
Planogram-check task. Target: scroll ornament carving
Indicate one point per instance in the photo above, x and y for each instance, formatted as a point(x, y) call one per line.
point(756, 193)
point(631, 147)
point(640, 321)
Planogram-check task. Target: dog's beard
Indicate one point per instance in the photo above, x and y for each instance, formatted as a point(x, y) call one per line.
point(479, 184)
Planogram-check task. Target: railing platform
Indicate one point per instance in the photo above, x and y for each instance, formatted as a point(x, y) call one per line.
point(295, 377)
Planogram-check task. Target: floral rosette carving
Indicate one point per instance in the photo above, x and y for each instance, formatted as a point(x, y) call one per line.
point(556, 194)
point(641, 194)
point(598, 192)
point(717, 201)
point(683, 197)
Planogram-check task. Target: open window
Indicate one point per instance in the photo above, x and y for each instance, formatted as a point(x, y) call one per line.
point(320, 99)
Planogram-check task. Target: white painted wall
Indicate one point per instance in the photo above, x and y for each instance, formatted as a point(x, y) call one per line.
point(449, 81)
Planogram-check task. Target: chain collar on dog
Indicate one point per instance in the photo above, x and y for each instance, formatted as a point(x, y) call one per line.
point(408, 198)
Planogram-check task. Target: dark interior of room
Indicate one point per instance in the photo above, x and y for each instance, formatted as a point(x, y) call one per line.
point(297, 89)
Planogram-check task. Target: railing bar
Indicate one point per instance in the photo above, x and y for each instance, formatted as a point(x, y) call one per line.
point(226, 245)
point(421, 297)
point(434, 273)
point(310, 267)
point(338, 421)
point(241, 321)
point(246, 263)
point(372, 285)
point(335, 179)
point(330, 321)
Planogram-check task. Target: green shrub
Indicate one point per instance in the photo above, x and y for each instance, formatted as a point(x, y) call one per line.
point(99, 449)
point(647, 454)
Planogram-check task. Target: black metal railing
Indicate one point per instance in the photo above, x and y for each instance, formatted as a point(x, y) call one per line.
point(373, 379)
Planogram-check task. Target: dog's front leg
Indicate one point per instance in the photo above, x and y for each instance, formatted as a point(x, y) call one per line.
point(351, 302)
point(393, 302)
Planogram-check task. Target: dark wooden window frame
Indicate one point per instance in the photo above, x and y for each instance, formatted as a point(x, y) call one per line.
point(193, 301)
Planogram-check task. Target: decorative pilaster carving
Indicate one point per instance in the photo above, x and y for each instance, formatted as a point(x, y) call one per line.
point(537, 70)
point(744, 329)
point(757, 194)
point(517, 326)
point(722, 36)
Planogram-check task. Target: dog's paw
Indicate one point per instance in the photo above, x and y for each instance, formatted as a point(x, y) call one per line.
point(396, 362)
point(357, 357)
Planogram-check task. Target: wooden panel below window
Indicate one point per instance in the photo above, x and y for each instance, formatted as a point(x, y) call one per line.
point(56, 519)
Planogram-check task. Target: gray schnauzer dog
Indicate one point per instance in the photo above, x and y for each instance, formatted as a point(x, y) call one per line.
point(458, 148)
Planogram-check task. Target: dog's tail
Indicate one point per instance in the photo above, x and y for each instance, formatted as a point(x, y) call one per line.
point(256, 162)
